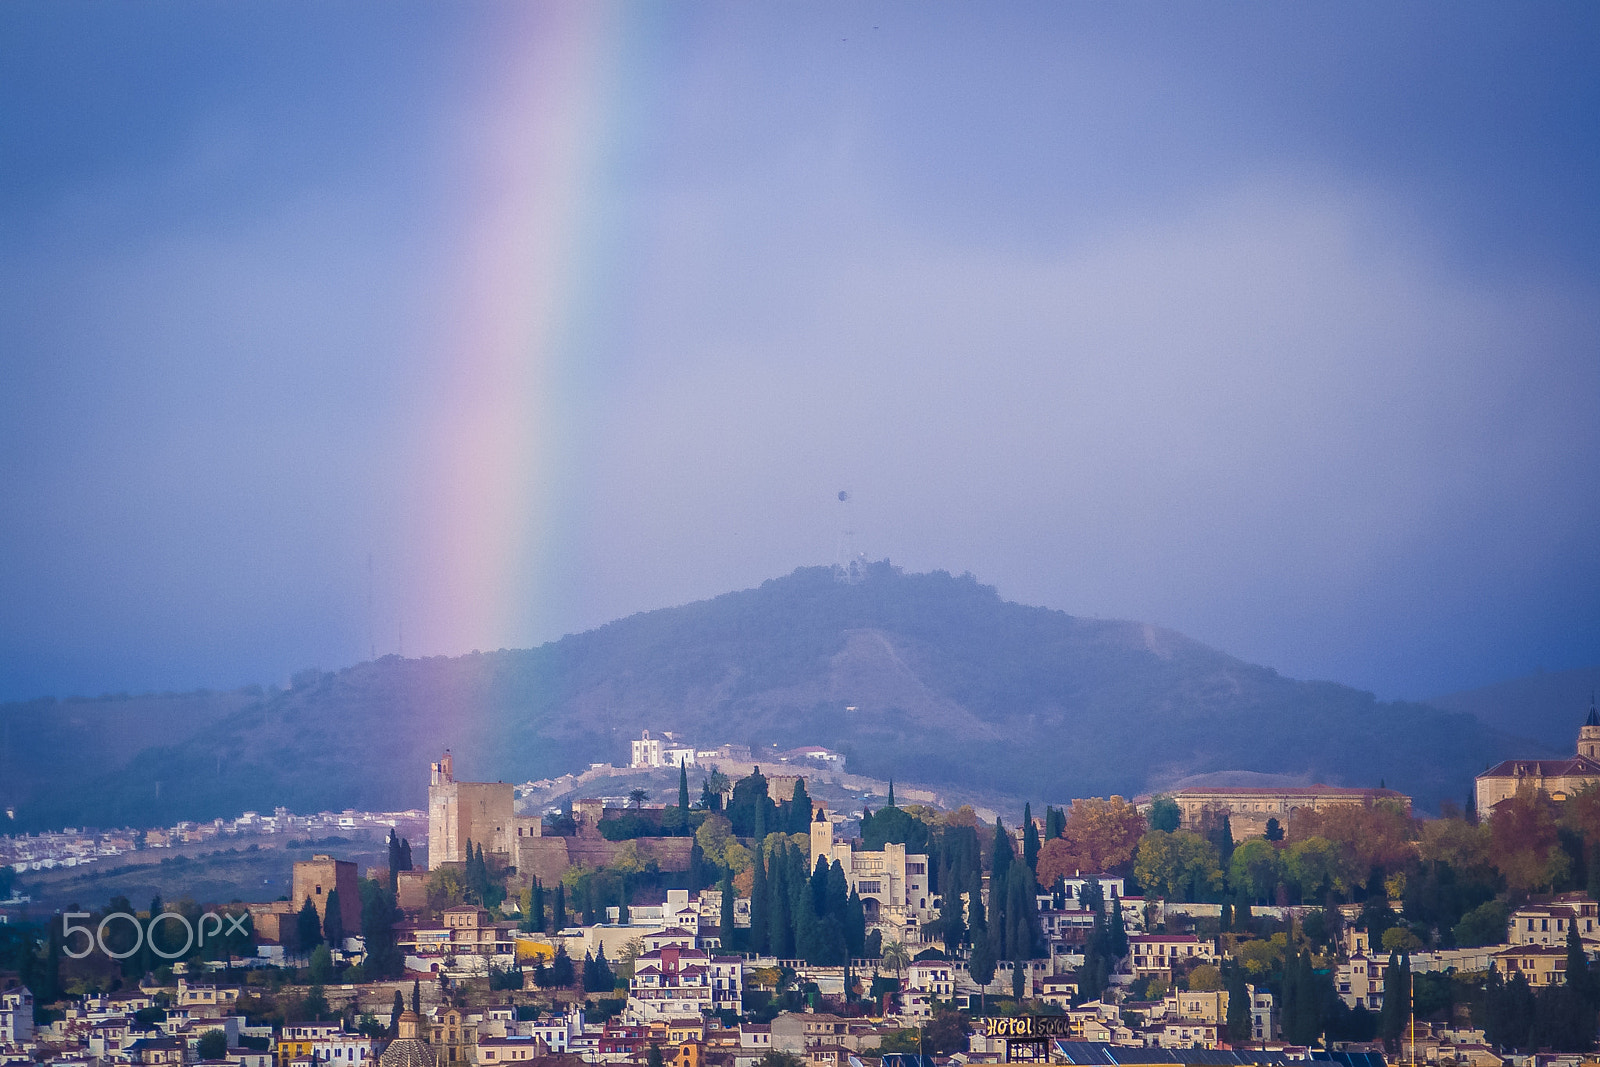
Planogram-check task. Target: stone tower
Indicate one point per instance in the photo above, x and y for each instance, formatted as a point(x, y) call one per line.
point(1589, 735)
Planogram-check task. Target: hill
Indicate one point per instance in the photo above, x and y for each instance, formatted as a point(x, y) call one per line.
point(951, 685)
point(1548, 707)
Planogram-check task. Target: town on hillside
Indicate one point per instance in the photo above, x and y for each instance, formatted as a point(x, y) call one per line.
point(742, 922)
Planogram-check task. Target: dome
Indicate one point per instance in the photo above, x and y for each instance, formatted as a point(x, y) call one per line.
point(407, 1050)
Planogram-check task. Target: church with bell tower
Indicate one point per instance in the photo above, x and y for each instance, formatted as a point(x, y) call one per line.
point(1557, 779)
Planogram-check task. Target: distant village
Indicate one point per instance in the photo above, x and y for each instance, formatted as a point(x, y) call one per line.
point(740, 922)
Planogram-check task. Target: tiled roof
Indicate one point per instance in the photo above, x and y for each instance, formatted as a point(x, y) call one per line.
point(1572, 767)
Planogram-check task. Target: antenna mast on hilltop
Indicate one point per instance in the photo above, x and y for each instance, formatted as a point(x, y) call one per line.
point(848, 565)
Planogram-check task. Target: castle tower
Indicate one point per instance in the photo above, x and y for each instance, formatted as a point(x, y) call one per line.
point(821, 836)
point(1589, 735)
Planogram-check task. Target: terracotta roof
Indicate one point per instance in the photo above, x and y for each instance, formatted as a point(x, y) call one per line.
point(1572, 767)
point(1290, 791)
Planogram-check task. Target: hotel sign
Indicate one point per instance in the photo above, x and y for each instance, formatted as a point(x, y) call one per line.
point(1026, 1027)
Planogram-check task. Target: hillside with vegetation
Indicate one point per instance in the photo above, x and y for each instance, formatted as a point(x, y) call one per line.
point(1548, 706)
point(928, 678)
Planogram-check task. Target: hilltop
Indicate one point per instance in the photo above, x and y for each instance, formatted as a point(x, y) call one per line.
point(952, 687)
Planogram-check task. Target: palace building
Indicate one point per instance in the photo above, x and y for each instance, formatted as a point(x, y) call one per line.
point(1557, 779)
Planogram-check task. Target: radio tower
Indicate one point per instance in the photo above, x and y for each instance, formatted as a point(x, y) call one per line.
point(847, 564)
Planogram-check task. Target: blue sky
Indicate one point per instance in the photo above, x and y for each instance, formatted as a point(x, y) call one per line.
point(1274, 324)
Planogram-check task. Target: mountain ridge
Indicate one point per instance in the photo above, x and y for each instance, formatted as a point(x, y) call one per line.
point(952, 687)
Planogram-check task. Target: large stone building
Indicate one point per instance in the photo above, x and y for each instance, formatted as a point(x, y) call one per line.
point(1555, 778)
point(1248, 809)
point(314, 880)
point(893, 885)
point(483, 813)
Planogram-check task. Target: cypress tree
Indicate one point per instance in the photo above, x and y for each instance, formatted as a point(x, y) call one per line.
point(1030, 839)
point(981, 963)
point(1003, 855)
point(308, 927)
point(890, 804)
point(760, 936)
point(1117, 930)
point(1579, 976)
point(780, 931)
point(333, 920)
point(819, 888)
point(396, 1010)
point(416, 997)
point(683, 791)
point(405, 854)
point(1393, 1016)
point(394, 860)
point(725, 920)
point(855, 926)
point(558, 914)
point(1238, 1021)
point(838, 894)
point(800, 809)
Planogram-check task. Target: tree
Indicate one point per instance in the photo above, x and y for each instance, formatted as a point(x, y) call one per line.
point(316, 1004)
point(1527, 842)
point(1178, 866)
point(1102, 835)
point(308, 926)
point(1257, 868)
point(562, 971)
point(653, 1058)
point(405, 855)
point(683, 789)
point(1030, 839)
point(1164, 814)
point(213, 1045)
point(395, 1012)
point(896, 957)
point(1238, 1021)
point(1483, 925)
point(1396, 1010)
point(558, 913)
point(800, 809)
point(1055, 820)
point(637, 797)
point(982, 963)
point(333, 920)
point(416, 996)
point(321, 965)
point(1579, 974)
point(1003, 854)
point(760, 935)
point(394, 859)
point(597, 976)
point(1274, 831)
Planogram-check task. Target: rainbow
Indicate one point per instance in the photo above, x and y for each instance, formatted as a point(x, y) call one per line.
point(534, 308)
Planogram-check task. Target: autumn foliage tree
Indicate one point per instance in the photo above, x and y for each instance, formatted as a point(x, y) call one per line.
point(1100, 837)
point(1526, 841)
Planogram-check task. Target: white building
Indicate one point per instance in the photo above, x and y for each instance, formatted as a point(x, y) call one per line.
point(1547, 924)
point(1264, 1025)
point(893, 885)
point(1359, 982)
point(674, 982)
point(16, 1016)
point(1159, 953)
point(663, 751)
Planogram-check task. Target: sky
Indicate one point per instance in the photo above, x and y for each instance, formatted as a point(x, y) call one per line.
point(351, 328)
